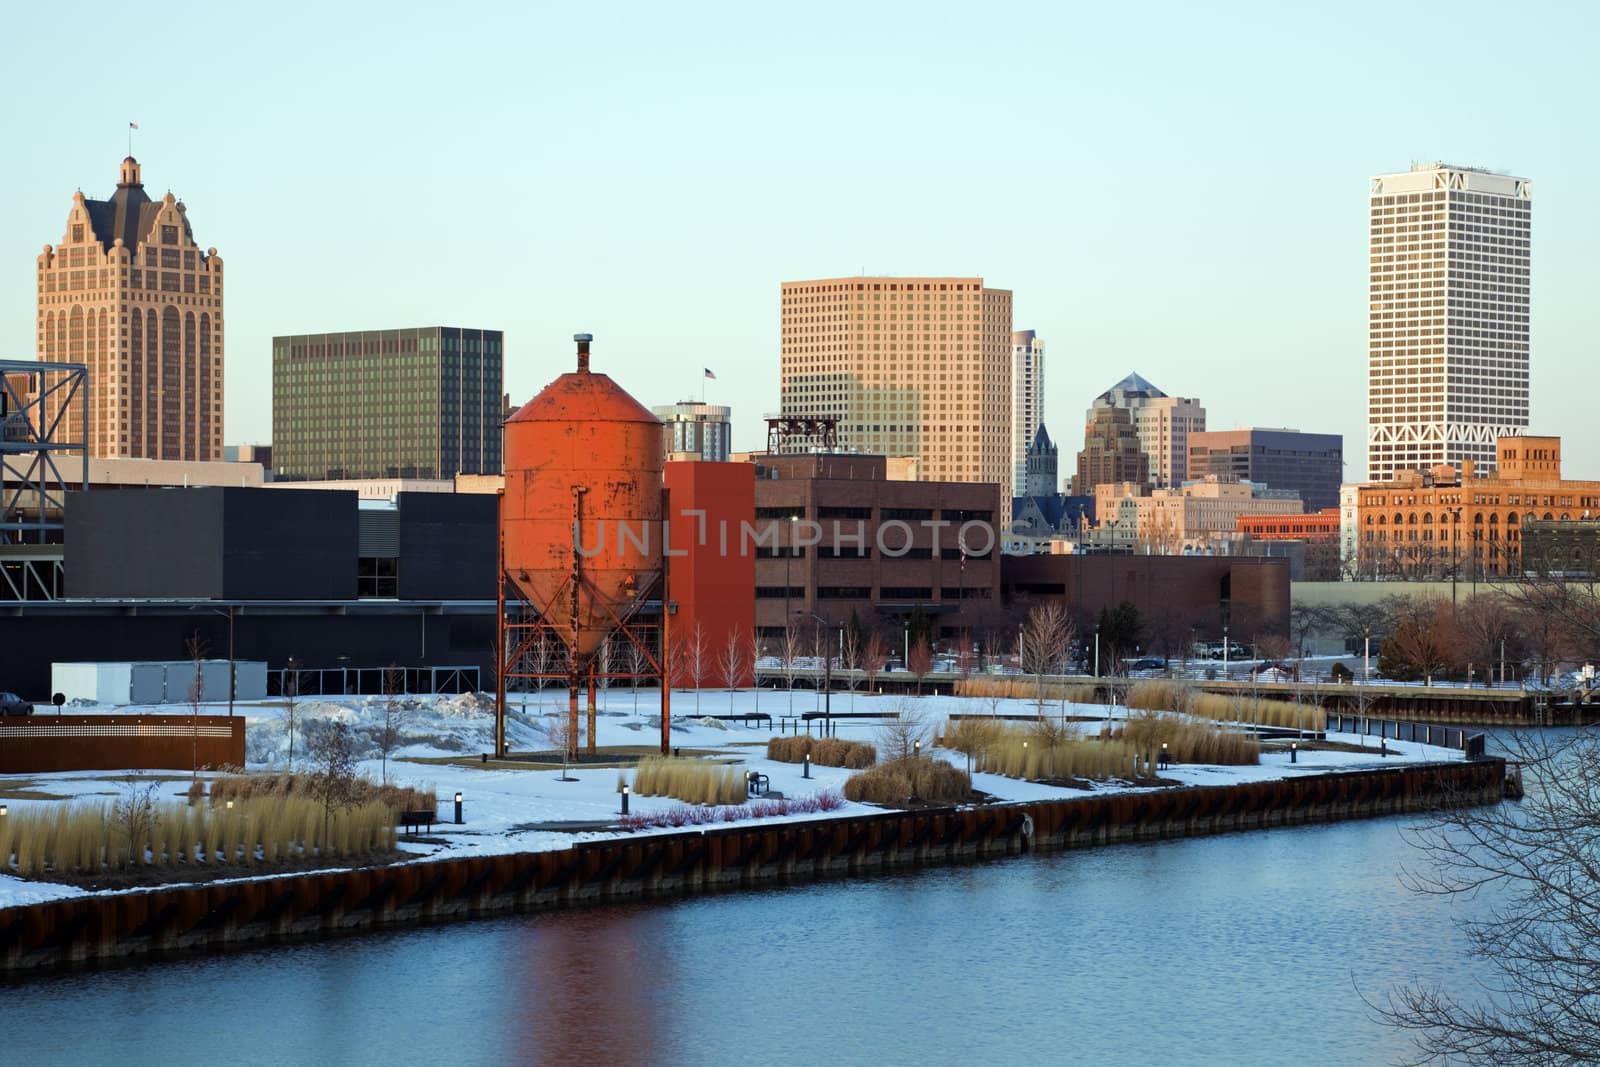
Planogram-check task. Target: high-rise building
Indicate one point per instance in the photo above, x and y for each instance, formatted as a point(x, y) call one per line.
point(130, 294)
point(1027, 403)
point(1163, 423)
point(1311, 463)
point(1111, 452)
point(911, 367)
point(703, 429)
point(414, 403)
point(1447, 317)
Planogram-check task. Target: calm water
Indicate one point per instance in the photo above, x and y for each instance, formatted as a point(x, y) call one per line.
point(1247, 948)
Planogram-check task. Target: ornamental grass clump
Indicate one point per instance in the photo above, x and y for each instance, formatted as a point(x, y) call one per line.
point(1255, 711)
point(89, 838)
point(824, 751)
point(914, 778)
point(1187, 740)
point(1160, 694)
point(1025, 689)
point(691, 780)
point(1023, 753)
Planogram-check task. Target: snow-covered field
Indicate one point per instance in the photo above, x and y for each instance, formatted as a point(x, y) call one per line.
point(509, 808)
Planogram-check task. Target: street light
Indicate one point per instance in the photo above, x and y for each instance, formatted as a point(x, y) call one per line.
point(231, 680)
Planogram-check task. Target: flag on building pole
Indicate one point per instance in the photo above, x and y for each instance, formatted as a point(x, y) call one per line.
point(131, 127)
point(713, 377)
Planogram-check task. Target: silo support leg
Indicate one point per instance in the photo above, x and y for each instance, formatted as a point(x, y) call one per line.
point(591, 745)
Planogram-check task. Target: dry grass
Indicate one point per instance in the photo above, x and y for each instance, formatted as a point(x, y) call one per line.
point(825, 751)
point(1287, 714)
point(690, 780)
point(1160, 695)
point(246, 787)
point(86, 839)
point(914, 778)
point(1030, 753)
point(1187, 740)
point(1022, 688)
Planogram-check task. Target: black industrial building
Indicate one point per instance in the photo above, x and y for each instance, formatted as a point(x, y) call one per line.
point(315, 574)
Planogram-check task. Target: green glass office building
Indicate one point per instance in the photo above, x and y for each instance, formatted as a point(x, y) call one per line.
point(418, 403)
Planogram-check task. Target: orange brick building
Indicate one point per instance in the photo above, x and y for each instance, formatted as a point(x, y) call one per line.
point(1434, 524)
point(1318, 526)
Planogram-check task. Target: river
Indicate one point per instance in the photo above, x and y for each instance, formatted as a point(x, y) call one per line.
point(1244, 948)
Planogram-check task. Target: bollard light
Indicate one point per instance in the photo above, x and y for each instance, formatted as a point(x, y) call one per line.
point(1294, 751)
point(4, 811)
point(916, 748)
point(624, 800)
point(458, 809)
point(230, 805)
point(806, 772)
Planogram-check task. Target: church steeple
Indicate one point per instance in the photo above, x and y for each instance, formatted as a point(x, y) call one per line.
point(130, 173)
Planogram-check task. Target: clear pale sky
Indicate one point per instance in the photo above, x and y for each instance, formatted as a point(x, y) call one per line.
point(1167, 188)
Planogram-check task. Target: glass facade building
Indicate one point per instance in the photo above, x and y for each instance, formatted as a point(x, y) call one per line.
point(415, 403)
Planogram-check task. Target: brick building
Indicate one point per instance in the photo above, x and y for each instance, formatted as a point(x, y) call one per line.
point(839, 537)
point(1434, 523)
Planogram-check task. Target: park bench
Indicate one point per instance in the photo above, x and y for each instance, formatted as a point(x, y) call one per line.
point(415, 820)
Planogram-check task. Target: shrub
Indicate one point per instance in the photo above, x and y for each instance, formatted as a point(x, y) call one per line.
point(827, 800)
point(912, 778)
point(1340, 673)
point(825, 751)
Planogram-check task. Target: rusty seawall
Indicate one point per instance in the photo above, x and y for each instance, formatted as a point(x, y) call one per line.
point(171, 921)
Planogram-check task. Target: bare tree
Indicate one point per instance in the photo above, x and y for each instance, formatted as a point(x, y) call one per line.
point(134, 814)
point(789, 656)
point(965, 663)
point(291, 701)
point(1487, 630)
point(973, 736)
point(1541, 938)
point(566, 736)
point(757, 650)
point(394, 683)
point(919, 660)
point(874, 654)
point(638, 663)
point(731, 662)
point(334, 784)
point(196, 648)
point(698, 658)
point(1423, 641)
point(902, 736)
point(1046, 636)
point(850, 660)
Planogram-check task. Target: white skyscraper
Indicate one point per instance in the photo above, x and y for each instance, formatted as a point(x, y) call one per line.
point(1027, 402)
point(1447, 333)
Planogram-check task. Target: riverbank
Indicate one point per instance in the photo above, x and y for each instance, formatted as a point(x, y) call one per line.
point(104, 928)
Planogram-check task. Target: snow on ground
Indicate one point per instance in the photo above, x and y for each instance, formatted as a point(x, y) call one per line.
point(508, 808)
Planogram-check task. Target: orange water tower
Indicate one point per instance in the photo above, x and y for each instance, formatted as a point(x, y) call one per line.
point(581, 534)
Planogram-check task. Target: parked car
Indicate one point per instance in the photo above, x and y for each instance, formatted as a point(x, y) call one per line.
point(11, 704)
point(1149, 663)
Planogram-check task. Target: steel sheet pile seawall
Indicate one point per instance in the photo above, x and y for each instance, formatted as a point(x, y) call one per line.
point(161, 921)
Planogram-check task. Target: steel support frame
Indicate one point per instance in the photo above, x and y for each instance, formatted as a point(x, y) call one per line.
point(36, 401)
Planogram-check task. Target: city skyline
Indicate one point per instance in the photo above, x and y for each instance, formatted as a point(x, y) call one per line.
point(645, 204)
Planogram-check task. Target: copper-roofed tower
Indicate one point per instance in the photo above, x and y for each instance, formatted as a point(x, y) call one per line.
point(582, 533)
point(129, 293)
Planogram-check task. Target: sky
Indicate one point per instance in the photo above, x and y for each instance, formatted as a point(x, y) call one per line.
point(1177, 189)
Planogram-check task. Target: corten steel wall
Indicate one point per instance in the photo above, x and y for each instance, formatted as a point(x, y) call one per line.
point(45, 744)
point(714, 583)
point(447, 549)
point(218, 543)
point(1175, 591)
point(211, 917)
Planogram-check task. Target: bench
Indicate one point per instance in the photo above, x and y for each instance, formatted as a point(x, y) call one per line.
point(417, 819)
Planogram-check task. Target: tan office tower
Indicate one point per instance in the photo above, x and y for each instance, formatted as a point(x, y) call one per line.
point(911, 366)
point(1447, 322)
point(130, 294)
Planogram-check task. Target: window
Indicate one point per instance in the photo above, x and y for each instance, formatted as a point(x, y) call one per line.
point(169, 235)
point(378, 577)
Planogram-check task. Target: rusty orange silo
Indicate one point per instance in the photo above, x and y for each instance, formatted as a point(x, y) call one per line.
point(582, 508)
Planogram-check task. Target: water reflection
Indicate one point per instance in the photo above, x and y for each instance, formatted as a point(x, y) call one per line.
point(1243, 948)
